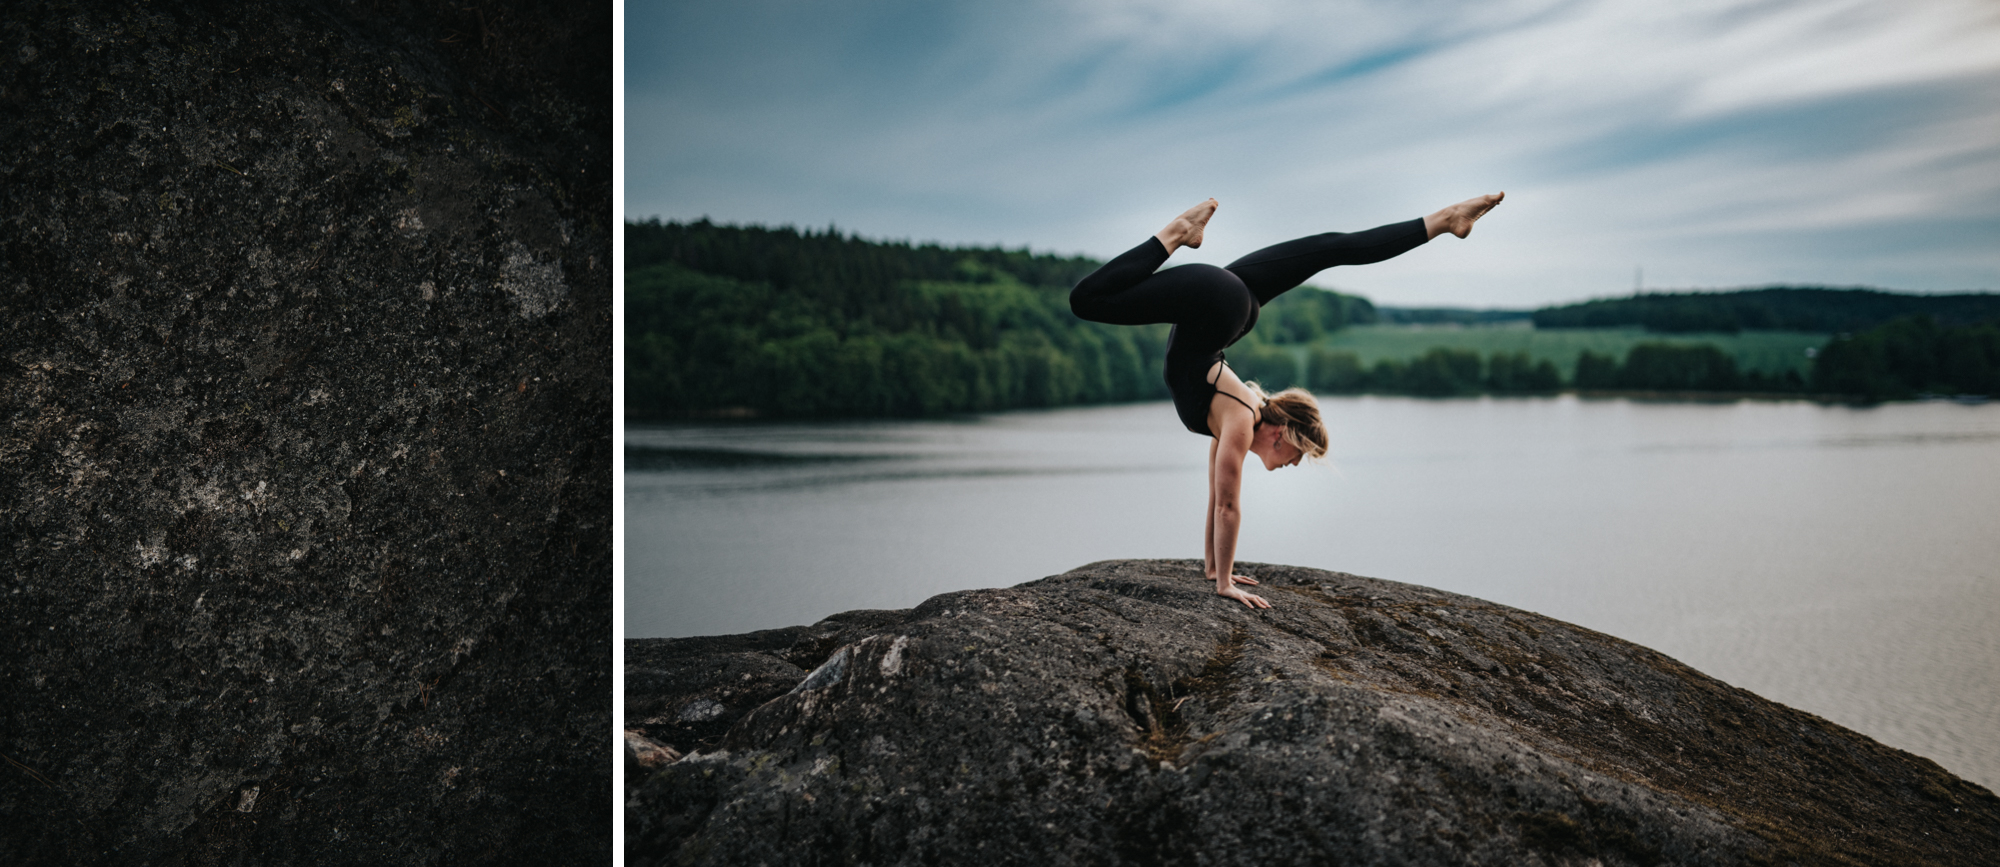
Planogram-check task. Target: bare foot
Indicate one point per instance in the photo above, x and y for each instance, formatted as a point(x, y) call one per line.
point(1249, 599)
point(1458, 219)
point(1186, 230)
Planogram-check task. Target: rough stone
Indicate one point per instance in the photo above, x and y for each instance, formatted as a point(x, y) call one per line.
point(1122, 713)
point(643, 754)
point(305, 432)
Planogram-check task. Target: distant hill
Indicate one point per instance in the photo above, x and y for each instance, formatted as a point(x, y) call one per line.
point(749, 320)
point(836, 266)
point(1774, 308)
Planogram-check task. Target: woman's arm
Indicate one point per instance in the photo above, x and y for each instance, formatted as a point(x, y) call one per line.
point(1208, 522)
point(1225, 482)
point(1208, 528)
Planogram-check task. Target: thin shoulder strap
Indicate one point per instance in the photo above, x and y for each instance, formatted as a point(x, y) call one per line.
point(1255, 413)
point(1246, 404)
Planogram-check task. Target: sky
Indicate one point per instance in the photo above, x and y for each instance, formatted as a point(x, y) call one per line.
point(1701, 144)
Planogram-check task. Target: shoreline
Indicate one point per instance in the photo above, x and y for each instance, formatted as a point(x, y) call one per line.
point(750, 415)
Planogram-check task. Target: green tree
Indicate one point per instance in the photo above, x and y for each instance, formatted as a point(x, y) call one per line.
point(1672, 367)
point(1443, 372)
point(1595, 370)
point(1334, 371)
point(1387, 377)
point(1272, 367)
point(1909, 356)
point(1516, 373)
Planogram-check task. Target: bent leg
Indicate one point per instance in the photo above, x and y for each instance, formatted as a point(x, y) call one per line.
point(1195, 298)
point(1272, 270)
point(1100, 297)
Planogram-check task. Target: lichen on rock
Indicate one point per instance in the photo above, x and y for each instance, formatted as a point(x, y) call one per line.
point(304, 432)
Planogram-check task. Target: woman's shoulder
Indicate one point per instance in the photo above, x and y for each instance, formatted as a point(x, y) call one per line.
point(1234, 405)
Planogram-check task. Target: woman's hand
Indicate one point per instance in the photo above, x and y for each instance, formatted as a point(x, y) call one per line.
point(1250, 599)
point(1241, 579)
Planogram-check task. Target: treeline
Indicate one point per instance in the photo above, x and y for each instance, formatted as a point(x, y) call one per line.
point(781, 322)
point(1440, 372)
point(850, 282)
point(1673, 367)
point(1912, 356)
point(1778, 308)
point(1448, 316)
point(701, 344)
point(1444, 372)
point(1905, 358)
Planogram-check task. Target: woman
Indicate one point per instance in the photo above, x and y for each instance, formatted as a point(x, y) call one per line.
point(1212, 308)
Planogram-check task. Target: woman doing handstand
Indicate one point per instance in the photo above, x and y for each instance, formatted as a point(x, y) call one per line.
point(1211, 308)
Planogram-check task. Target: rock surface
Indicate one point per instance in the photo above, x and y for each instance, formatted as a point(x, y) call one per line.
point(1123, 714)
point(305, 432)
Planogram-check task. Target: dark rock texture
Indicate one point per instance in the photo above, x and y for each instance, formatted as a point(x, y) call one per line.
point(305, 316)
point(1123, 714)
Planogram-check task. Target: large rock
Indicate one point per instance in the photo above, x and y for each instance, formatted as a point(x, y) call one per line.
point(1123, 714)
point(305, 432)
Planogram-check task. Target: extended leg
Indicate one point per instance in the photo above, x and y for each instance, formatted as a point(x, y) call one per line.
point(1274, 269)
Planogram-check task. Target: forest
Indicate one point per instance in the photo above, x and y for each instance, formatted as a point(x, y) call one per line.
point(1774, 308)
point(779, 322)
point(1912, 356)
point(776, 322)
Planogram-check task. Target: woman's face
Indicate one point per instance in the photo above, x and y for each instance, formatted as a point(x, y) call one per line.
point(1275, 451)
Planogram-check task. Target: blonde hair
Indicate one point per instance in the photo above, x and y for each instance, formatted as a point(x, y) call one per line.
point(1298, 412)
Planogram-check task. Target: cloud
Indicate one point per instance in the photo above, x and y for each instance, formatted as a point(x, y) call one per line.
point(1715, 143)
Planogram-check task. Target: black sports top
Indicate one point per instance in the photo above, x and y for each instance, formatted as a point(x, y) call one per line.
point(1193, 399)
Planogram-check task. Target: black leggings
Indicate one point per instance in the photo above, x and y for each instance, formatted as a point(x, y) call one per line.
point(1212, 307)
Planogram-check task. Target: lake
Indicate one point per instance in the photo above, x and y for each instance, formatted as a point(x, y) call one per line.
point(1842, 560)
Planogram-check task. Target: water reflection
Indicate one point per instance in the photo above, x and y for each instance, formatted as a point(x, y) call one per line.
point(702, 460)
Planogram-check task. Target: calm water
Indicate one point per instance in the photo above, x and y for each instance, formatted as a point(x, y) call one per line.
point(1845, 561)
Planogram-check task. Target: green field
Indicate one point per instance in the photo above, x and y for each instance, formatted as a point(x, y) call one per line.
point(1770, 351)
